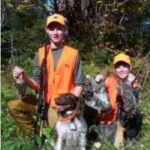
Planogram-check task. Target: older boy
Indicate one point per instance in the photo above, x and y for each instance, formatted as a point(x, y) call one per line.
point(63, 75)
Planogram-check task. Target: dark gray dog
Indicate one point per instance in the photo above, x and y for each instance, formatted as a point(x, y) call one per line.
point(129, 116)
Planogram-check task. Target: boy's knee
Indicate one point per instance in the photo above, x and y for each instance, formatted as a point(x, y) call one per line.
point(11, 105)
point(52, 117)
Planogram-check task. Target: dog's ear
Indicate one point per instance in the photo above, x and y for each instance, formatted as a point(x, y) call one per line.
point(59, 100)
point(72, 100)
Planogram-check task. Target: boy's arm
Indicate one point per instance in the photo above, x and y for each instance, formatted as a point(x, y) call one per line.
point(77, 91)
point(78, 79)
point(20, 78)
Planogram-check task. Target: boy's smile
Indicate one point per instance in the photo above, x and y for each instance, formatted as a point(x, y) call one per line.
point(122, 70)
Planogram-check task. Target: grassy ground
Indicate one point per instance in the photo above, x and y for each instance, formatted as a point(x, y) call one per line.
point(15, 139)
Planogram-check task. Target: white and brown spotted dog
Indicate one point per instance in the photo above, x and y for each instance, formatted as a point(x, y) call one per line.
point(71, 127)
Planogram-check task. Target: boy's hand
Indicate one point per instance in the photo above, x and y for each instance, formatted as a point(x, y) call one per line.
point(99, 78)
point(130, 78)
point(17, 74)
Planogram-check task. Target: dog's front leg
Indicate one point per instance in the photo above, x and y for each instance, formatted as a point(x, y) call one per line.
point(59, 143)
point(82, 141)
point(119, 137)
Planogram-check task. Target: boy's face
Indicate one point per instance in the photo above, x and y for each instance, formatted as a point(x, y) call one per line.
point(56, 32)
point(122, 70)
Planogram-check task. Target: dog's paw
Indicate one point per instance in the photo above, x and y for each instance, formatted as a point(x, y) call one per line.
point(97, 145)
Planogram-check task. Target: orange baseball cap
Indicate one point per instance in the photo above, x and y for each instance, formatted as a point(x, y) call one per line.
point(122, 57)
point(56, 18)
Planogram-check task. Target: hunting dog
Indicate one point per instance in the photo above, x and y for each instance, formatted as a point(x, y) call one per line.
point(71, 127)
point(96, 99)
point(129, 117)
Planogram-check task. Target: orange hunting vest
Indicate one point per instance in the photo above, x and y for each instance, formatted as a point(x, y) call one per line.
point(111, 88)
point(60, 80)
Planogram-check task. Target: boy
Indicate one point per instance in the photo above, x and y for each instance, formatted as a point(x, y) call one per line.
point(108, 122)
point(63, 75)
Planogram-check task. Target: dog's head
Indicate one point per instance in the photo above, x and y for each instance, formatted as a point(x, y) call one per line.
point(66, 102)
point(97, 99)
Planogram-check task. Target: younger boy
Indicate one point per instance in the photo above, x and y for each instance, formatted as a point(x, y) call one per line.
point(108, 122)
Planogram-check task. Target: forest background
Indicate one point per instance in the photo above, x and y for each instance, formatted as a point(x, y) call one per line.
point(100, 29)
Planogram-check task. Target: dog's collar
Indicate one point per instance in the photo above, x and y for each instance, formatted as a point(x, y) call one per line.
point(68, 117)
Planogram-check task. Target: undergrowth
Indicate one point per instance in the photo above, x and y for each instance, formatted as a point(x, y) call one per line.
point(12, 138)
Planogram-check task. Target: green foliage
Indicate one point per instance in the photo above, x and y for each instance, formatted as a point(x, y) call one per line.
point(7, 94)
point(17, 145)
point(49, 133)
point(24, 23)
point(47, 140)
point(28, 66)
point(100, 59)
point(90, 69)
